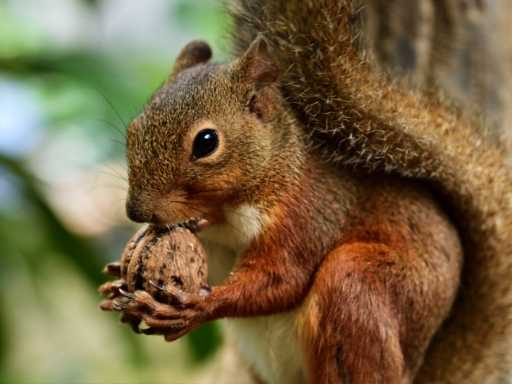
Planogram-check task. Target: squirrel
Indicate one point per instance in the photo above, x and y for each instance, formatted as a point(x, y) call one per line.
point(367, 226)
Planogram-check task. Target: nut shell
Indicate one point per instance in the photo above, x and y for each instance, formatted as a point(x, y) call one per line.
point(156, 258)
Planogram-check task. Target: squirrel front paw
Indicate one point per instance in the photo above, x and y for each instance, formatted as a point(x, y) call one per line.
point(161, 281)
point(187, 311)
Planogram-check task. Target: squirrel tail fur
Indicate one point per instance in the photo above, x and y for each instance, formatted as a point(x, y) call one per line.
point(359, 118)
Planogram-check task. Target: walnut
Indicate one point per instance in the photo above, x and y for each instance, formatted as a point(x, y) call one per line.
point(161, 268)
point(165, 262)
point(158, 258)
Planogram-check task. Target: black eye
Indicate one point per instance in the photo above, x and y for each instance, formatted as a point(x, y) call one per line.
point(205, 143)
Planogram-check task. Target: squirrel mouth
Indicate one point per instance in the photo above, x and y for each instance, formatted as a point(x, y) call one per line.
point(194, 225)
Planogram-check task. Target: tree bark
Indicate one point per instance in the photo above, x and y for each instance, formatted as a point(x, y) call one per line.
point(463, 47)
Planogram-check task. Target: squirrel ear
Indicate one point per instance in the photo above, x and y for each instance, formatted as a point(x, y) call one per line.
point(256, 65)
point(195, 52)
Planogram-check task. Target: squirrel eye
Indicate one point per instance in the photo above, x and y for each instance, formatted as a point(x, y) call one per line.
point(205, 143)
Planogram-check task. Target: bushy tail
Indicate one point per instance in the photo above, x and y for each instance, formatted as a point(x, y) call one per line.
point(359, 118)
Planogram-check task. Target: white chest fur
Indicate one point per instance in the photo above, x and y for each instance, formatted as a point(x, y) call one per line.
point(243, 224)
point(268, 343)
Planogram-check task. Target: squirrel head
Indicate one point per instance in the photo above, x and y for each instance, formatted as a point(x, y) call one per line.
point(209, 136)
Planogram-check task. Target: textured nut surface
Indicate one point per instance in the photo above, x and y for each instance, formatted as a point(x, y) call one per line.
point(156, 258)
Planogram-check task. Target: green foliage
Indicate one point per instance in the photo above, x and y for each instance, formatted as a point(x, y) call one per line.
point(86, 96)
point(210, 16)
point(55, 235)
point(204, 341)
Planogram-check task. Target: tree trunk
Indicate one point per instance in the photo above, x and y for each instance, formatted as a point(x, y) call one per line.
point(463, 47)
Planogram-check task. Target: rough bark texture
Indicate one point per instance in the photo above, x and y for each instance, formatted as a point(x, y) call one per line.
point(461, 46)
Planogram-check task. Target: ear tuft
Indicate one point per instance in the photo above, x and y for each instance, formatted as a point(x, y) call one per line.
point(195, 52)
point(256, 65)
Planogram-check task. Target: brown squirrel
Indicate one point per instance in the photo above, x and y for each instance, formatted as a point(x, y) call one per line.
point(369, 225)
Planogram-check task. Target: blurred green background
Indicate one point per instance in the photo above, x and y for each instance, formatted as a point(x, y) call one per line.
point(73, 73)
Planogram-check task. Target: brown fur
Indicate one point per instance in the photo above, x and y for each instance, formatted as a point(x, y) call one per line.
point(372, 262)
point(361, 249)
point(358, 118)
point(380, 295)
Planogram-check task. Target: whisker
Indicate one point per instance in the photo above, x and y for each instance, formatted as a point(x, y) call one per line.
point(112, 172)
point(116, 128)
point(116, 112)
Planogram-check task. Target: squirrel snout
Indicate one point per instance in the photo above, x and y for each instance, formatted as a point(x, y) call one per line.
point(137, 212)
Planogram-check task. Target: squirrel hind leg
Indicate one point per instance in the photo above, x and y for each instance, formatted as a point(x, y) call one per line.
point(364, 320)
point(348, 332)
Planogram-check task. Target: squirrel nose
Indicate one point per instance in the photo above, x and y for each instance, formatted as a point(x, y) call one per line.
point(137, 212)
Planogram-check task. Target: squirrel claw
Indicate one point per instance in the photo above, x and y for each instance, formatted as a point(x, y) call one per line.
point(126, 294)
point(157, 286)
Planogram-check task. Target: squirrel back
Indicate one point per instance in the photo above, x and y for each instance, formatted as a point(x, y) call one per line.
point(357, 117)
